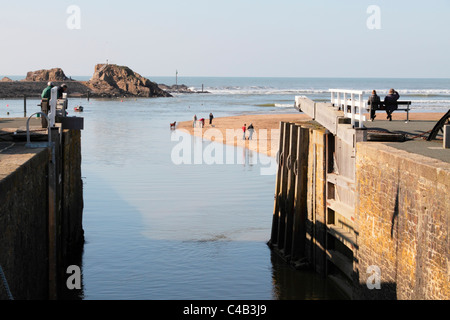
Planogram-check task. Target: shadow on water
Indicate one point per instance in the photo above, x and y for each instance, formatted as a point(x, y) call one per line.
point(292, 284)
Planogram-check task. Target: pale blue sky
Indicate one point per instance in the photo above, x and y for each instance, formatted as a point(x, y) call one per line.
point(283, 38)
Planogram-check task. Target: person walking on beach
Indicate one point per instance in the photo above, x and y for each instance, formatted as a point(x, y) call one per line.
point(244, 128)
point(250, 129)
point(390, 101)
point(194, 121)
point(211, 117)
point(374, 103)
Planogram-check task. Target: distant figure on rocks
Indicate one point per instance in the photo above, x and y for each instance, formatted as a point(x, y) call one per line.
point(250, 129)
point(374, 103)
point(211, 117)
point(194, 121)
point(62, 89)
point(390, 101)
point(47, 92)
point(244, 128)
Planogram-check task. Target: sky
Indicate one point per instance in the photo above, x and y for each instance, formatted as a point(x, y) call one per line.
point(229, 38)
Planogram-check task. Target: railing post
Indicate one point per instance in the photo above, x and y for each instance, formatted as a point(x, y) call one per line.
point(361, 106)
point(339, 99)
point(353, 109)
point(345, 104)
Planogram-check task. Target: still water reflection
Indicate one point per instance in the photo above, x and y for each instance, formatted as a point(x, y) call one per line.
point(157, 230)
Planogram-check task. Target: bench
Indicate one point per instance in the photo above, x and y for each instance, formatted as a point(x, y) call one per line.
point(382, 107)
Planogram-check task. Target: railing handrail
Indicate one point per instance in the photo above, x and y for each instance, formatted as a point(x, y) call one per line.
point(347, 91)
point(353, 103)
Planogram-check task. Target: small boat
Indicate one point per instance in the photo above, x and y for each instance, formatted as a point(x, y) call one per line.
point(78, 109)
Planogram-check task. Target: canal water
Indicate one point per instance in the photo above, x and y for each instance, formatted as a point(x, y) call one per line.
point(156, 229)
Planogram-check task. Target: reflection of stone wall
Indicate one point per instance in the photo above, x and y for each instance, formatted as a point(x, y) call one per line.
point(402, 220)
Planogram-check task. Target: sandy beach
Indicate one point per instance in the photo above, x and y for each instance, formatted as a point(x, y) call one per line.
point(266, 139)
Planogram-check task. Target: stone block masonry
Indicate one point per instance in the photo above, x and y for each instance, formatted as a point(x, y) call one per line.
point(402, 214)
point(24, 216)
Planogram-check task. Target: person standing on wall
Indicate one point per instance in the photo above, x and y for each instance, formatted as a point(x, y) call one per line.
point(374, 103)
point(211, 117)
point(390, 101)
point(47, 93)
point(194, 121)
point(244, 129)
point(61, 90)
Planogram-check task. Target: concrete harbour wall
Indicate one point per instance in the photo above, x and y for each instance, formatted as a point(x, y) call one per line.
point(343, 209)
point(24, 217)
point(402, 218)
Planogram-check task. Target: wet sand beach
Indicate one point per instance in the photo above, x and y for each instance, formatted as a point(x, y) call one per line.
point(268, 143)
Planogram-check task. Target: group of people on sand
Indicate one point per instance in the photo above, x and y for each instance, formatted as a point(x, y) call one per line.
point(201, 121)
point(250, 130)
point(390, 103)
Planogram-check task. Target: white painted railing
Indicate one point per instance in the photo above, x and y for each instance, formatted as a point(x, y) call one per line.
point(353, 99)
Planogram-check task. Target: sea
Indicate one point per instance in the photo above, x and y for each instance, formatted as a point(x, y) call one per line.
point(158, 229)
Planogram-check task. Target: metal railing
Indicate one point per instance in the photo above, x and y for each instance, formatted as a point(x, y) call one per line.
point(353, 99)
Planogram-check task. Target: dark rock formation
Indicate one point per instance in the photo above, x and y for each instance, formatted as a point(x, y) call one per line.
point(55, 74)
point(114, 80)
point(108, 81)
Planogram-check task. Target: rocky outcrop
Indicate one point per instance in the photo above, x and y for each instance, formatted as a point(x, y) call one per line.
point(114, 80)
point(108, 81)
point(55, 74)
point(6, 79)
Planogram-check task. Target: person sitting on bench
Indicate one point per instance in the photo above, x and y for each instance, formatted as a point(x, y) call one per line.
point(374, 103)
point(390, 102)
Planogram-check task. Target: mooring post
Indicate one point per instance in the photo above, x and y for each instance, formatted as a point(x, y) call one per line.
point(24, 105)
point(274, 234)
point(300, 199)
point(292, 158)
point(283, 188)
point(447, 136)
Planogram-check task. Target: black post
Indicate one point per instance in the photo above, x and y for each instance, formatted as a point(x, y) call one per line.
point(24, 105)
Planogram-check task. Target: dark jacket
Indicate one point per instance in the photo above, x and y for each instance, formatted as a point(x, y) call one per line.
point(391, 101)
point(374, 102)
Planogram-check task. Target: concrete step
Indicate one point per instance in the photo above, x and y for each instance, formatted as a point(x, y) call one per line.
point(341, 208)
point(343, 285)
point(348, 238)
point(342, 262)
